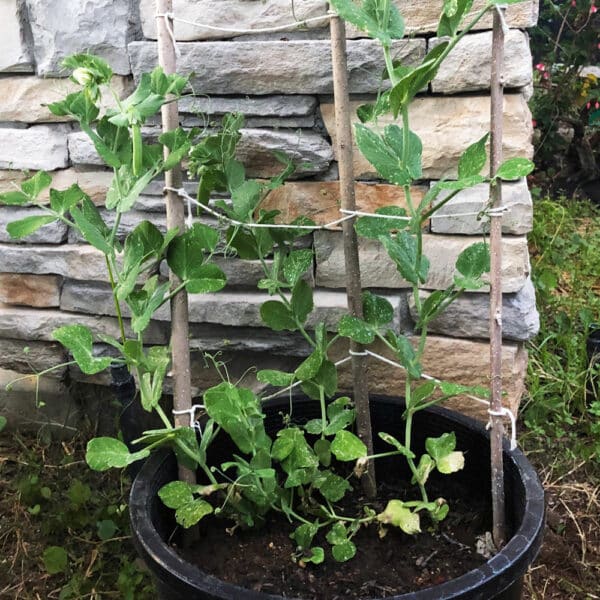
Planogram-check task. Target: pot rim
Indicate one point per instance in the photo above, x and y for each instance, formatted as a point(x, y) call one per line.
point(516, 556)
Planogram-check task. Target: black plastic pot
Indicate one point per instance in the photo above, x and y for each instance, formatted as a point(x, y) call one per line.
point(498, 579)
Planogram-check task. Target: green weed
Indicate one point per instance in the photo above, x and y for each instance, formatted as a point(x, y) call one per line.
point(565, 249)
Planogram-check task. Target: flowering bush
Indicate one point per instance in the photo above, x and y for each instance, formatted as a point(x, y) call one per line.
point(566, 101)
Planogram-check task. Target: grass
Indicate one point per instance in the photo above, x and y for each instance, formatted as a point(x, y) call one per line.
point(560, 413)
point(64, 529)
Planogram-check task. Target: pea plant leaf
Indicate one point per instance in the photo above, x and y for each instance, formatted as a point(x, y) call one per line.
point(277, 316)
point(377, 311)
point(346, 446)
point(472, 263)
point(452, 16)
point(373, 227)
point(295, 264)
point(179, 496)
point(399, 515)
point(302, 300)
point(92, 227)
point(35, 185)
point(402, 249)
point(105, 453)
point(207, 278)
point(473, 159)
point(514, 168)
point(356, 329)
point(77, 339)
point(24, 227)
point(370, 17)
point(274, 377)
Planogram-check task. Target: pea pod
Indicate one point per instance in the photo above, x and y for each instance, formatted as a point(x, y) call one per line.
point(136, 140)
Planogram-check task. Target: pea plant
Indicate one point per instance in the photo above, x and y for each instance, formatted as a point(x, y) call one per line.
point(301, 471)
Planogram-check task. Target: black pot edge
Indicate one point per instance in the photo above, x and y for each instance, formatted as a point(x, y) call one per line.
point(517, 555)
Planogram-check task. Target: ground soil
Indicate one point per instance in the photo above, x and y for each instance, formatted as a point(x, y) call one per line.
point(397, 563)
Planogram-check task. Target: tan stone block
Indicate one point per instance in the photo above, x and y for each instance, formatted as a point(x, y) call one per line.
point(378, 270)
point(94, 183)
point(447, 126)
point(39, 291)
point(320, 200)
point(423, 17)
point(459, 361)
point(24, 98)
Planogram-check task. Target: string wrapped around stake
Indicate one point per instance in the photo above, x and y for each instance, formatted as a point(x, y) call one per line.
point(194, 424)
point(169, 18)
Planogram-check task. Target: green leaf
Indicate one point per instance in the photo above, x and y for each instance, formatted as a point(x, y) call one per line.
point(377, 311)
point(473, 159)
point(356, 329)
point(28, 225)
point(344, 552)
point(333, 487)
point(62, 201)
point(15, 198)
point(390, 439)
point(274, 377)
point(176, 494)
point(394, 137)
point(55, 560)
point(373, 227)
point(423, 391)
point(323, 451)
point(302, 300)
point(185, 255)
point(310, 366)
point(514, 168)
point(402, 249)
point(317, 556)
point(190, 514)
point(472, 263)
point(77, 339)
point(369, 17)
point(406, 354)
point(346, 446)
point(441, 446)
point(105, 453)
point(97, 67)
point(79, 493)
point(245, 199)
point(303, 535)
point(452, 16)
point(207, 278)
point(277, 316)
point(91, 226)
point(295, 264)
point(106, 529)
point(3, 422)
point(314, 427)
point(398, 515)
point(36, 184)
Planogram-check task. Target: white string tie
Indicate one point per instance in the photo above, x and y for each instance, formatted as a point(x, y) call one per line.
point(274, 29)
point(189, 222)
point(505, 412)
point(191, 412)
point(363, 353)
point(359, 213)
point(497, 211)
point(169, 18)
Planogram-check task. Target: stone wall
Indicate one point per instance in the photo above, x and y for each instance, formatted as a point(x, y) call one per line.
point(283, 84)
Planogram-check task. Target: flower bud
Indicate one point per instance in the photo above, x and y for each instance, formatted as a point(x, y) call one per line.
point(83, 76)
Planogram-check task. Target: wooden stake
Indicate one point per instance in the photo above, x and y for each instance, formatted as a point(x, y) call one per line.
point(497, 431)
point(182, 394)
point(348, 202)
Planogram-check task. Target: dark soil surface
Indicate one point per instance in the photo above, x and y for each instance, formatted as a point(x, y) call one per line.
point(262, 559)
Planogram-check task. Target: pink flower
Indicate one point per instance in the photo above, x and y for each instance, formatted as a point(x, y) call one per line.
point(593, 9)
point(574, 3)
point(534, 122)
point(541, 67)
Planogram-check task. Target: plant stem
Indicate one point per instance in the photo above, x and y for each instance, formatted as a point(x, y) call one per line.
point(115, 299)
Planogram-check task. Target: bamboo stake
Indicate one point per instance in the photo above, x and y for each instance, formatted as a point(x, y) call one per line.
point(497, 430)
point(180, 350)
point(348, 202)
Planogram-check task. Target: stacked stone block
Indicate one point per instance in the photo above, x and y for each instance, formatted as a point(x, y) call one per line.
point(282, 82)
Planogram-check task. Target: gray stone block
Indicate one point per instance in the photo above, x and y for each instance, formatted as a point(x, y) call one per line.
point(379, 271)
point(39, 147)
point(15, 54)
point(261, 68)
point(467, 68)
point(468, 316)
point(455, 217)
point(101, 27)
point(53, 233)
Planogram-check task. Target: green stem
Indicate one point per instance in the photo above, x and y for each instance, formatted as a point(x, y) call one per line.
point(323, 410)
point(115, 299)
